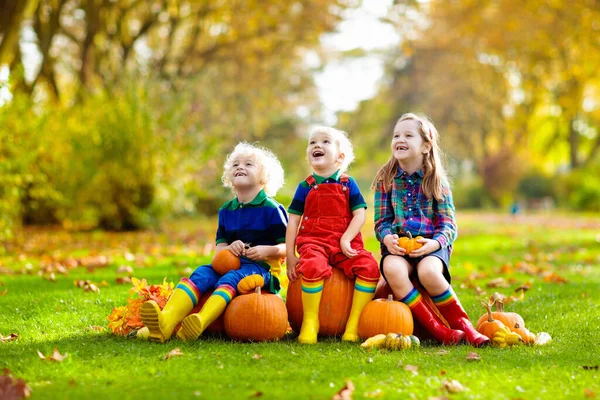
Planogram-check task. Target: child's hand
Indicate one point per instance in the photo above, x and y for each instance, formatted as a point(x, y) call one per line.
point(347, 248)
point(258, 252)
point(391, 242)
point(237, 248)
point(429, 246)
point(291, 262)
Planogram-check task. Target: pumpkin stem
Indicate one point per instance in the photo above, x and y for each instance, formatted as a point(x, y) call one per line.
point(257, 290)
point(488, 308)
point(499, 306)
point(390, 297)
point(409, 235)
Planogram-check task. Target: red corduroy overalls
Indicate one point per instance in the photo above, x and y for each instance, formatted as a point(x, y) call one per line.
point(326, 217)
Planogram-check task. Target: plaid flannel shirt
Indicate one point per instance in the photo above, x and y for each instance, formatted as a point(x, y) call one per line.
point(406, 208)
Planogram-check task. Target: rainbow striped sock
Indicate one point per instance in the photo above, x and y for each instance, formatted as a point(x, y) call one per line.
point(226, 292)
point(365, 286)
point(190, 289)
point(445, 298)
point(412, 298)
point(312, 286)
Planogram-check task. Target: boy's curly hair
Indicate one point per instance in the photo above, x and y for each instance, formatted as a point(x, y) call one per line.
point(343, 142)
point(271, 169)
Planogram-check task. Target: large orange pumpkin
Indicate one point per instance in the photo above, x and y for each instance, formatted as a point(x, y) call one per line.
point(225, 261)
point(334, 310)
point(256, 317)
point(382, 316)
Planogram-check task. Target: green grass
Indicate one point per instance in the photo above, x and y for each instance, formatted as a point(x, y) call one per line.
point(48, 315)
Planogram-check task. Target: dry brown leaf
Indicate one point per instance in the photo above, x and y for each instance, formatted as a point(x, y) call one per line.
point(472, 356)
point(453, 386)
point(345, 393)
point(589, 393)
point(443, 372)
point(498, 282)
point(123, 280)
point(125, 269)
point(256, 357)
point(412, 368)
point(97, 328)
point(4, 292)
point(56, 356)
point(9, 338)
point(176, 352)
point(11, 389)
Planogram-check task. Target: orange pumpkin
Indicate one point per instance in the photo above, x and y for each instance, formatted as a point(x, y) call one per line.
point(408, 243)
point(225, 261)
point(510, 319)
point(491, 325)
point(334, 309)
point(256, 317)
point(385, 315)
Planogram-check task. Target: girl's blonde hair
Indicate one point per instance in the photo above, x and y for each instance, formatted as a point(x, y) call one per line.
point(343, 142)
point(271, 169)
point(434, 174)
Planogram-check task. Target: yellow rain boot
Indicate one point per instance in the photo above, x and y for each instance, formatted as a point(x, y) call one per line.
point(162, 323)
point(363, 294)
point(311, 299)
point(193, 325)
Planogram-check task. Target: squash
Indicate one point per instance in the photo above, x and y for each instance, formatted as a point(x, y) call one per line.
point(409, 243)
point(225, 261)
point(334, 310)
point(256, 317)
point(391, 341)
point(249, 283)
point(491, 326)
point(385, 315)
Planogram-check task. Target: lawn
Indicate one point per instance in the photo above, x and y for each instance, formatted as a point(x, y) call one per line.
point(558, 258)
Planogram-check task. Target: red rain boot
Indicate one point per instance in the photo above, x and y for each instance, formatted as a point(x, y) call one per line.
point(458, 319)
point(427, 318)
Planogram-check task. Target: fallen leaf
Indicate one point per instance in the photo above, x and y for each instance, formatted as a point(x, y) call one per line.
point(56, 356)
point(498, 282)
point(345, 393)
point(589, 393)
point(256, 357)
point(4, 292)
point(125, 269)
point(97, 328)
point(13, 389)
point(443, 372)
point(412, 368)
point(453, 386)
point(256, 394)
point(9, 338)
point(472, 356)
point(174, 353)
point(123, 280)
point(441, 352)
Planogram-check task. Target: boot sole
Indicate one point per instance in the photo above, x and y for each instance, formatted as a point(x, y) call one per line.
point(150, 315)
point(191, 328)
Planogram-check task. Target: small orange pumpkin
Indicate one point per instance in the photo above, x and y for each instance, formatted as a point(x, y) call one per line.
point(256, 317)
point(409, 243)
point(491, 325)
point(334, 310)
point(225, 261)
point(385, 315)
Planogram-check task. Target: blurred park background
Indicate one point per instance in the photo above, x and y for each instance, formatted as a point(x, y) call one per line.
point(117, 114)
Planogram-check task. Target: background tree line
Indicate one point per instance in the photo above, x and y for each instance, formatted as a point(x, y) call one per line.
point(119, 112)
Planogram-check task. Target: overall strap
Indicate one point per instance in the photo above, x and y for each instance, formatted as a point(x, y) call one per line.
point(311, 180)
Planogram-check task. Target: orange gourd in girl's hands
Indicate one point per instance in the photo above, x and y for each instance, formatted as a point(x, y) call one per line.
point(225, 261)
point(409, 243)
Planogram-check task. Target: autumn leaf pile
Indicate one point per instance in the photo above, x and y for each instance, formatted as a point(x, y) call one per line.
point(125, 319)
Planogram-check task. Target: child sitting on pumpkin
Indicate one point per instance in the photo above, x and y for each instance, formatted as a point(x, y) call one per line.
point(326, 215)
point(251, 217)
